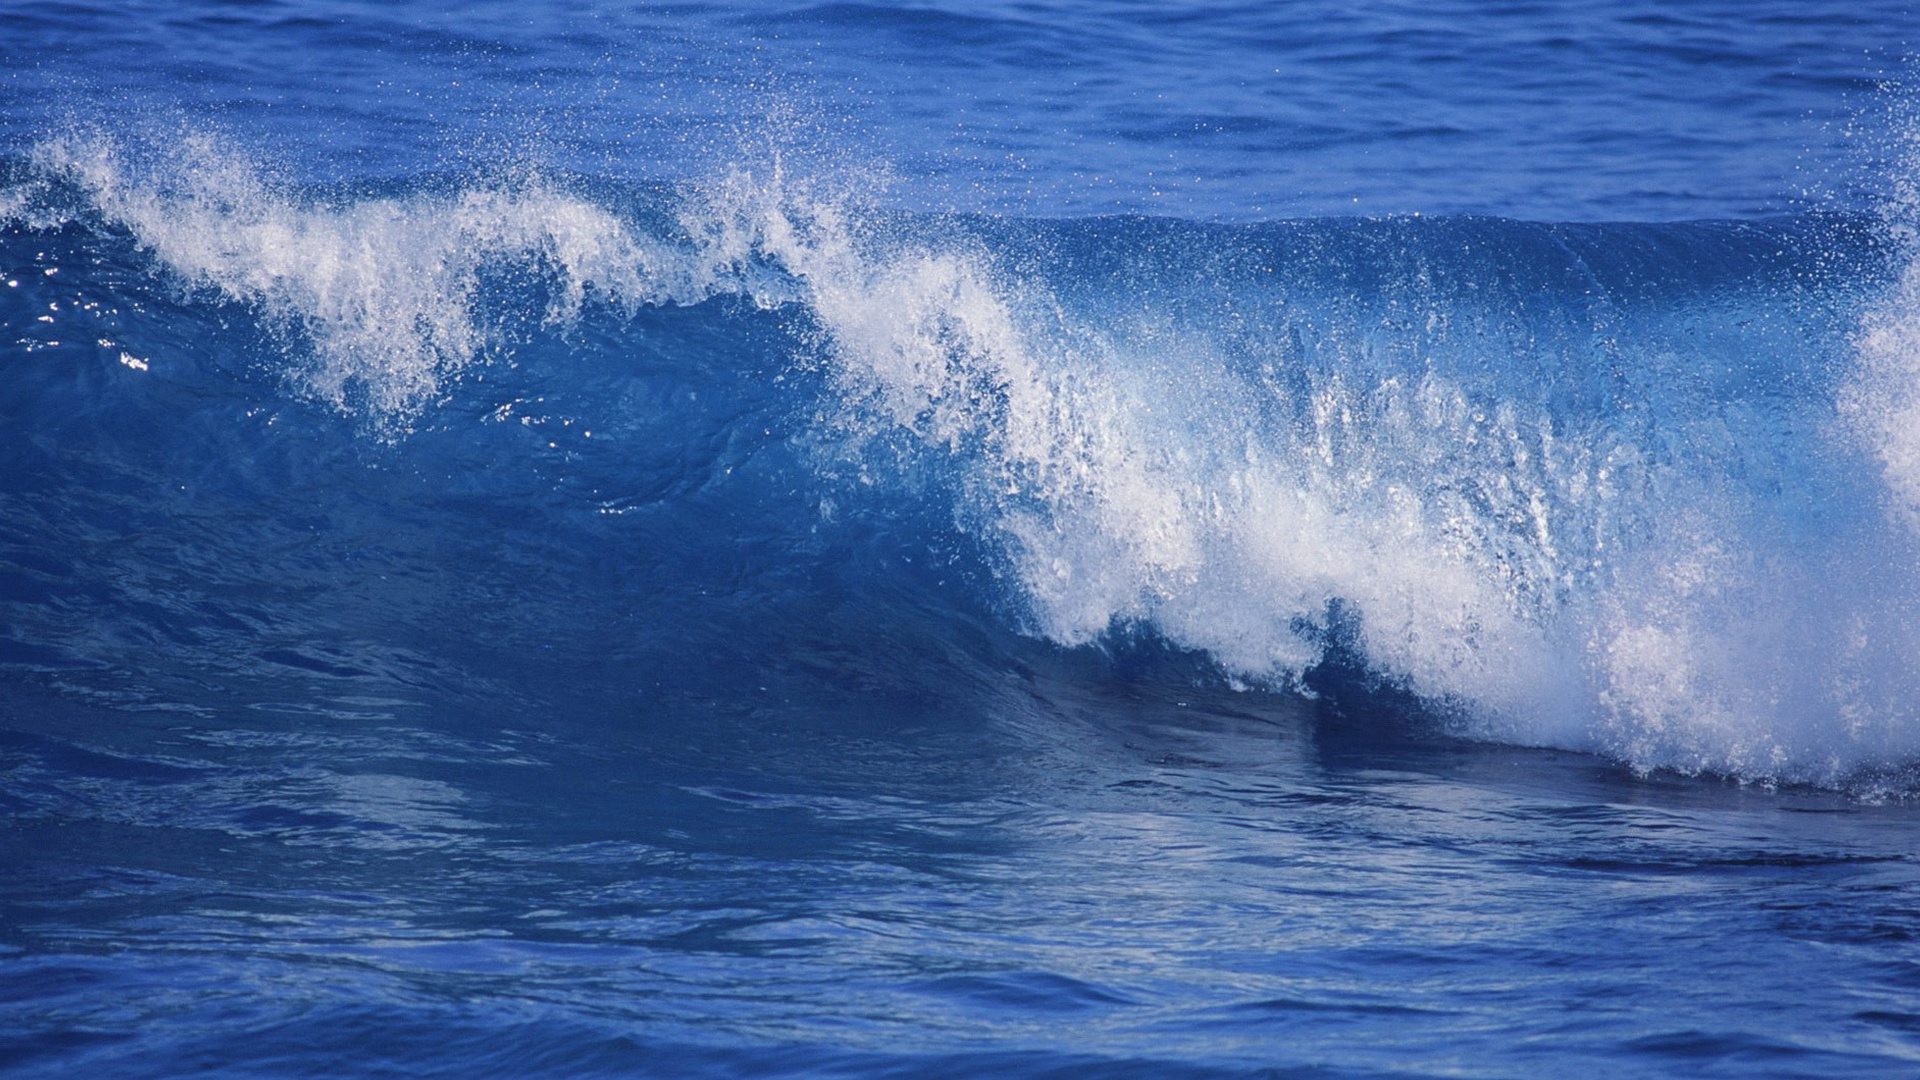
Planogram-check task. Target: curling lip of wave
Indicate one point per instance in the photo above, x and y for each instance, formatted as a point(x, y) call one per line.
point(1551, 522)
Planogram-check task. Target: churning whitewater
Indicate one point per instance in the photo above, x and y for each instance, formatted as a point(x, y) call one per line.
point(1039, 540)
point(1645, 490)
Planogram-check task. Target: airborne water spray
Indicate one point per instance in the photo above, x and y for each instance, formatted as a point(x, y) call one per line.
point(1571, 487)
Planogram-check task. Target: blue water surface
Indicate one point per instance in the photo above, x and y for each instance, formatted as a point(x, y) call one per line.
point(1000, 540)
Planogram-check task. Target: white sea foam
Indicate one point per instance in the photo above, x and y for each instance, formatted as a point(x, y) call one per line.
point(384, 289)
point(1548, 579)
point(1883, 400)
point(1554, 580)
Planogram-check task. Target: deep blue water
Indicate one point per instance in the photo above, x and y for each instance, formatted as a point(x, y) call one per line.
point(1007, 540)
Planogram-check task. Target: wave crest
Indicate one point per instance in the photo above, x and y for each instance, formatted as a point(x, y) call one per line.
point(386, 290)
point(1578, 486)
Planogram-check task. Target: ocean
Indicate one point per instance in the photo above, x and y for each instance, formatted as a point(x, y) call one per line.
point(1056, 539)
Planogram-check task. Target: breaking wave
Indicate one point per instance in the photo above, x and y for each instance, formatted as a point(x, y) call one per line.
point(1646, 490)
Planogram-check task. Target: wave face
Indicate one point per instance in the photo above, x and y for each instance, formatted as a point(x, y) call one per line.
point(1646, 490)
point(1039, 540)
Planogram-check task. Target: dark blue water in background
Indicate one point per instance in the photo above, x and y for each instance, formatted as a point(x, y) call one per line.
point(1055, 540)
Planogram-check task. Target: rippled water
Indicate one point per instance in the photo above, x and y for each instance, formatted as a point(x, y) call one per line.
point(1040, 540)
